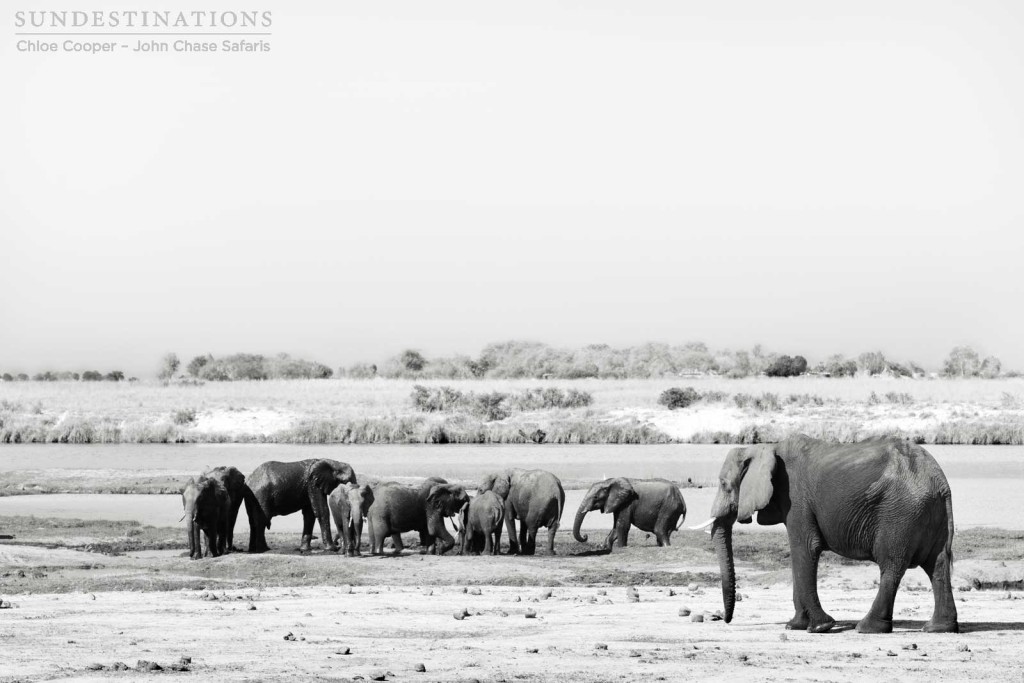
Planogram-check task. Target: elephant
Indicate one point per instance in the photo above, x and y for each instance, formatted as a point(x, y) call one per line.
point(648, 504)
point(238, 492)
point(883, 499)
point(480, 524)
point(207, 510)
point(282, 488)
point(534, 497)
point(398, 508)
point(349, 504)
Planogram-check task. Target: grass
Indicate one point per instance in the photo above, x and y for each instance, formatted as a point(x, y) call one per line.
point(973, 411)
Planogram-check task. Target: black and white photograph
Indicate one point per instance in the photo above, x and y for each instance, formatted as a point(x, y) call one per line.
point(552, 340)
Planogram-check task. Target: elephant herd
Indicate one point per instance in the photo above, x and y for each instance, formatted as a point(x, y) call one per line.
point(885, 500)
point(325, 489)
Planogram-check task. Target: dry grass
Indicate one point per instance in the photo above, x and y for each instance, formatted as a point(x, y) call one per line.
point(381, 411)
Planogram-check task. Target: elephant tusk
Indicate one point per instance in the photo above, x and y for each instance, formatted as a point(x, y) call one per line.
point(703, 526)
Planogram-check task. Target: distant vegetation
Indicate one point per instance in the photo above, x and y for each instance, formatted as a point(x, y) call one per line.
point(535, 360)
point(496, 405)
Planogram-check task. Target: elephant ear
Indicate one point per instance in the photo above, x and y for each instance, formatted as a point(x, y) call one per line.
point(322, 476)
point(366, 494)
point(498, 482)
point(446, 498)
point(620, 494)
point(756, 487)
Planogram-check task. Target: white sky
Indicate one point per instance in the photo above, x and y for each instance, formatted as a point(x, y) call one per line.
point(816, 177)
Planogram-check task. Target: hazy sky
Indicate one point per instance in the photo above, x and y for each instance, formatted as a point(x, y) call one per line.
point(816, 177)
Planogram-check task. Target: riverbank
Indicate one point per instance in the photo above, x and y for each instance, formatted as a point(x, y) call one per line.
point(743, 411)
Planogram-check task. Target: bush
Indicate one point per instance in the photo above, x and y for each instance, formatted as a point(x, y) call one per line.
point(185, 416)
point(359, 371)
point(491, 406)
point(766, 402)
point(437, 400)
point(678, 398)
point(784, 366)
point(196, 364)
point(92, 376)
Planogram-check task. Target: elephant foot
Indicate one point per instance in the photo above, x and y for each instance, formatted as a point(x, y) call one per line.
point(333, 548)
point(870, 624)
point(933, 626)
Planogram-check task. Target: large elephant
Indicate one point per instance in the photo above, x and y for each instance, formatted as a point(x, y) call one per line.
point(883, 499)
point(398, 508)
point(648, 504)
point(535, 498)
point(233, 482)
point(349, 504)
point(282, 488)
point(207, 510)
point(480, 524)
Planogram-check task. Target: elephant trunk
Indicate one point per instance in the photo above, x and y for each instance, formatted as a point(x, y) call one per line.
point(721, 536)
point(586, 505)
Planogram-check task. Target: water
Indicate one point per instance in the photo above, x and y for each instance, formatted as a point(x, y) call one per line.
point(985, 480)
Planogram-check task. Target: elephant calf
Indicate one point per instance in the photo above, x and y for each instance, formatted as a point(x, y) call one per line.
point(535, 498)
point(349, 504)
point(480, 524)
point(653, 505)
point(398, 508)
point(207, 510)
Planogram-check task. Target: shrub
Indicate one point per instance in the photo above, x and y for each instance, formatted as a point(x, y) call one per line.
point(962, 361)
point(437, 400)
point(678, 398)
point(491, 406)
point(899, 398)
point(784, 366)
point(8, 377)
point(92, 376)
point(766, 402)
point(412, 360)
point(196, 364)
point(359, 371)
point(184, 416)
point(169, 365)
point(114, 376)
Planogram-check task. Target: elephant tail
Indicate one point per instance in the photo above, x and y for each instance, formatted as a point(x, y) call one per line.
point(682, 514)
point(949, 532)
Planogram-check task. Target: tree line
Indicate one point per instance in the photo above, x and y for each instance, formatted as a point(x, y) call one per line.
point(536, 360)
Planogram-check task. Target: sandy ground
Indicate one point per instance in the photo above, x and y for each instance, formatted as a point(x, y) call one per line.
point(392, 614)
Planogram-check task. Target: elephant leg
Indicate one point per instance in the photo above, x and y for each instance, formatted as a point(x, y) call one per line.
point(195, 542)
point(879, 617)
point(229, 540)
point(257, 531)
point(609, 541)
point(497, 541)
point(622, 524)
point(524, 545)
point(531, 541)
point(944, 618)
point(809, 613)
point(323, 518)
point(396, 542)
point(488, 543)
point(510, 527)
point(307, 529)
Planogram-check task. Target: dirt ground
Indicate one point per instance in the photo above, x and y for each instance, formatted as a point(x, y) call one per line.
point(75, 614)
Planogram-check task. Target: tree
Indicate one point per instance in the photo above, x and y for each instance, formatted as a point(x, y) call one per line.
point(22, 377)
point(412, 361)
point(92, 376)
point(839, 366)
point(784, 366)
point(871, 363)
point(991, 367)
point(169, 366)
point(197, 364)
point(114, 376)
point(963, 361)
point(8, 377)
